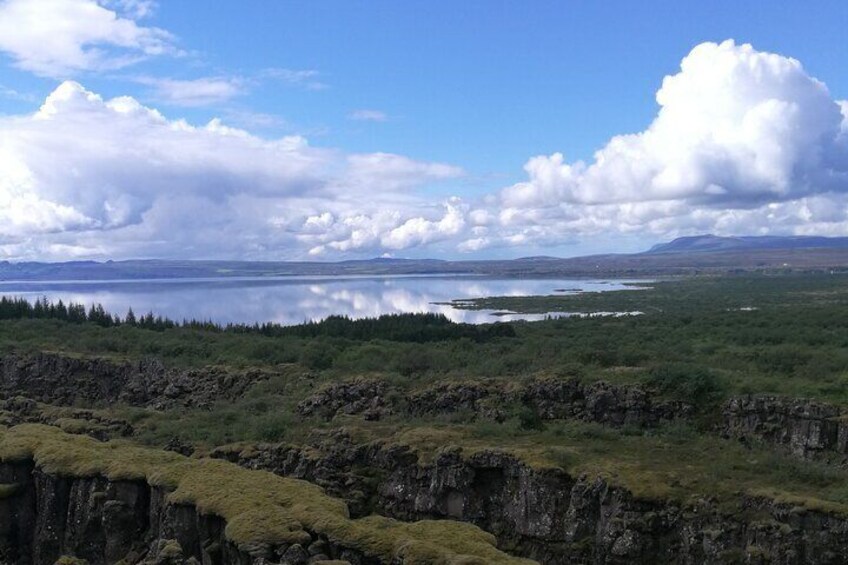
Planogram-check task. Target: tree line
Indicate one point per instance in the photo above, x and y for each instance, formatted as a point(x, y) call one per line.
point(392, 327)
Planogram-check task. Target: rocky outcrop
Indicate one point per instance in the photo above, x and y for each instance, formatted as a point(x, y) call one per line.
point(483, 399)
point(617, 405)
point(69, 496)
point(104, 522)
point(345, 470)
point(20, 410)
point(357, 396)
point(67, 381)
point(809, 429)
point(555, 518)
point(602, 402)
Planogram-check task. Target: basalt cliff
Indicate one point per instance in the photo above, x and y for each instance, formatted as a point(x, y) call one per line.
point(89, 494)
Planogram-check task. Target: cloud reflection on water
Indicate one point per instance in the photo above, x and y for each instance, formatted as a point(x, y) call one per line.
point(297, 299)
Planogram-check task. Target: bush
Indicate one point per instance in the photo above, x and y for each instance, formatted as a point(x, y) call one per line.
point(272, 427)
point(530, 419)
point(693, 384)
point(317, 356)
point(413, 361)
point(782, 359)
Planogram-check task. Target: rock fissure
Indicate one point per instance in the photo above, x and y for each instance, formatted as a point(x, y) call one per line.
point(105, 521)
point(112, 502)
point(549, 516)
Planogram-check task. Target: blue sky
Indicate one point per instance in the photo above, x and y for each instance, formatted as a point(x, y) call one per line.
point(476, 88)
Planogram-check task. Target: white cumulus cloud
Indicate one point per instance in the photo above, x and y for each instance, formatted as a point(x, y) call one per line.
point(744, 140)
point(116, 177)
point(57, 38)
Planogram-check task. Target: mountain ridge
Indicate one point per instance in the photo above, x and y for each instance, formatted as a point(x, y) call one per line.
point(684, 255)
point(710, 242)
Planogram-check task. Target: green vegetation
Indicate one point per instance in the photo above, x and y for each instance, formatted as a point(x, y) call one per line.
point(675, 461)
point(8, 489)
point(258, 506)
point(699, 340)
point(770, 334)
point(65, 560)
point(417, 328)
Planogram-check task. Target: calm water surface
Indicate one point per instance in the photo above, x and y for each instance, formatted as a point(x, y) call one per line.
point(292, 300)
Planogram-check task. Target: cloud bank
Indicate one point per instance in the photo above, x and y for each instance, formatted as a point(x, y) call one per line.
point(95, 177)
point(743, 142)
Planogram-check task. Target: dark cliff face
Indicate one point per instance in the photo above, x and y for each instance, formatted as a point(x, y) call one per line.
point(45, 516)
point(812, 430)
point(807, 429)
point(544, 514)
point(569, 399)
point(552, 517)
point(66, 381)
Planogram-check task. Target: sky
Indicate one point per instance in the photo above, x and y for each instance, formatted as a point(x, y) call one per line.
point(327, 130)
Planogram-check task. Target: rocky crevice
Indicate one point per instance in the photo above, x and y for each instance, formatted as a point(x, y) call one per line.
point(809, 429)
point(544, 514)
point(550, 516)
point(103, 521)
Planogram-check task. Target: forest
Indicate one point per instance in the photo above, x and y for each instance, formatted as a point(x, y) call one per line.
point(770, 333)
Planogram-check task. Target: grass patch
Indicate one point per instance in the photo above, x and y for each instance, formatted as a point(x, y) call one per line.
point(675, 462)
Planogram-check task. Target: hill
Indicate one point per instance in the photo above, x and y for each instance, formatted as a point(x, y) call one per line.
point(714, 243)
point(685, 255)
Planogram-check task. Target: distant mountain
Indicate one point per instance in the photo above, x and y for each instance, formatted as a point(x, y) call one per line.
point(540, 258)
point(185, 269)
point(685, 255)
point(714, 243)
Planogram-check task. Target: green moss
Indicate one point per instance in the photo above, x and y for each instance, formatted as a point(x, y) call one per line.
point(674, 462)
point(800, 502)
point(77, 426)
point(258, 506)
point(8, 489)
point(171, 549)
point(757, 553)
point(66, 560)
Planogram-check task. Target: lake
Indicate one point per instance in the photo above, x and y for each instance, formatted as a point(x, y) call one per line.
point(292, 300)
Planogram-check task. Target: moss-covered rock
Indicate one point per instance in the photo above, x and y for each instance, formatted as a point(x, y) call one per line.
point(258, 506)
